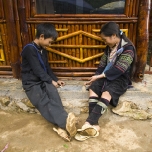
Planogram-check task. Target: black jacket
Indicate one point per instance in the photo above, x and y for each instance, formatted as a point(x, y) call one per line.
point(32, 68)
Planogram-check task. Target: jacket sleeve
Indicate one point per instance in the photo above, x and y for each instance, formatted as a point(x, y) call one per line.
point(122, 64)
point(49, 70)
point(31, 56)
point(102, 64)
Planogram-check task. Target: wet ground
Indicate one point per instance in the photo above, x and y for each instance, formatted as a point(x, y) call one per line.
point(24, 132)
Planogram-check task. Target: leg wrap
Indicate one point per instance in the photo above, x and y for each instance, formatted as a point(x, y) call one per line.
point(97, 111)
point(92, 103)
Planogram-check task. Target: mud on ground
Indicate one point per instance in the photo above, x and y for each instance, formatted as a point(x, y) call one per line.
point(24, 132)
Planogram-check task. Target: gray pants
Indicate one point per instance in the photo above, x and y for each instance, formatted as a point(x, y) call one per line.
point(46, 99)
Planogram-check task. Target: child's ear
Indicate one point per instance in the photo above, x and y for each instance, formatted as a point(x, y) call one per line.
point(42, 36)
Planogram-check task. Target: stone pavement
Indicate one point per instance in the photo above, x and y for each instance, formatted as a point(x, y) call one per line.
point(74, 95)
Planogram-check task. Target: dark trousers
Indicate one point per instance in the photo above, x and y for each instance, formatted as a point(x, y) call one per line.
point(46, 99)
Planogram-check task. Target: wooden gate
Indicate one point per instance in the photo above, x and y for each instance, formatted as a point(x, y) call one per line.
point(78, 49)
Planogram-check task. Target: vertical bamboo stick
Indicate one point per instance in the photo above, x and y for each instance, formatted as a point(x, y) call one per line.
point(93, 43)
point(69, 43)
point(54, 56)
point(33, 8)
point(5, 49)
point(33, 31)
point(89, 51)
point(137, 7)
point(7, 45)
point(30, 33)
point(131, 8)
point(134, 33)
point(1, 10)
point(73, 43)
point(28, 10)
point(66, 42)
point(121, 26)
point(1, 47)
point(134, 8)
point(131, 33)
point(85, 43)
point(64, 50)
point(16, 17)
point(77, 43)
point(127, 7)
point(61, 49)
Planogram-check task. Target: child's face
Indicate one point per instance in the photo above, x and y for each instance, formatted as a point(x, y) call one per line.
point(109, 40)
point(45, 42)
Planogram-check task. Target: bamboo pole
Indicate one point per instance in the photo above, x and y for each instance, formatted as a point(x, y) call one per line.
point(1, 10)
point(30, 33)
point(33, 27)
point(134, 34)
point(6, 72)
point(83, 60)
point(142, 38)
point(74, 74)
point(28, 10)
point(16, 18)
point(54, 56)
point(69, 42)
point(127, 7)
point(5, 67)
point(87, 46)
point(85, 43)
point(73, 43)
point(73, 16)
point(61, 49)
point(83, 21)
point(77, 43)
point(134, 8)
point(63, 42)
point(137, 7)
point(131, 33)
point(93, 43)
point(89, 51)
point(66, 42)
point(74, 69)
point(5, 49)
point(131, 8)
point(33, 8)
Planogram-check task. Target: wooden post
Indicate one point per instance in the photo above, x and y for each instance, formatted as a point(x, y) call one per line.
point(23, 24)
point(12, 38)
point(142, 38)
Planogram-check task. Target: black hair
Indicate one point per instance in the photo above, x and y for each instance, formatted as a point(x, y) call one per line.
point(47, 29)
point(111, 28)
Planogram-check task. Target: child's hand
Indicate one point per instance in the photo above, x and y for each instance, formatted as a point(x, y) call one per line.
point(60, 83)
point(93, 78)
point(55, 84)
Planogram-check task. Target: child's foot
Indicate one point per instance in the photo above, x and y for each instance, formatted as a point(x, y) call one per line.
point(63, 134)
point(71, 124)
point(97, 127)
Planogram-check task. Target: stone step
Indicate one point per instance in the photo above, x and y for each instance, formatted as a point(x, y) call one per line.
point(73, 95)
